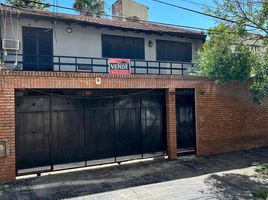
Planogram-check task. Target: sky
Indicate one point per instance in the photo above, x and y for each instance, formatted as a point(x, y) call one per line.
point(161, 13)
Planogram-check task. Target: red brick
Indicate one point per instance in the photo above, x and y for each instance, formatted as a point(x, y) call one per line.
point(231, 121)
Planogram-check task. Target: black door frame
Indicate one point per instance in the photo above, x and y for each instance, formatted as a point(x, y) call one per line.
point(194, 118)
point(144, 154)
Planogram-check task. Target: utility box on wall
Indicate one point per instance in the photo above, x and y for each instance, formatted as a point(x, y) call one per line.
point(3, 148)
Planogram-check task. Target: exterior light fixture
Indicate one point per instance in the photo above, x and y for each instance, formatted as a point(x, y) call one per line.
point(150, 43)
point(69, 30)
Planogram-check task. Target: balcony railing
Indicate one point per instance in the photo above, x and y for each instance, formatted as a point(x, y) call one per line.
point(89, 64)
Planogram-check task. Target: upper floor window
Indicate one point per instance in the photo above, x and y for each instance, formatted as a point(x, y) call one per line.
point(122, 47)
point(37, 49)
point(173, 51)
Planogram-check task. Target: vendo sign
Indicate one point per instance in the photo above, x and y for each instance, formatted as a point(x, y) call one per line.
point(119, 66)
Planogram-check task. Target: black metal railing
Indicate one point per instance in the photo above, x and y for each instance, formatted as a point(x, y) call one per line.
point(90, 64)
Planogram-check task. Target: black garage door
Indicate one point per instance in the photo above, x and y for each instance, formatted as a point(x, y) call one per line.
point(56, 127)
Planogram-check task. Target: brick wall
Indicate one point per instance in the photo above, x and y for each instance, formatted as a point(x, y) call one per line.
point(7, 130)
point(171, 123)
point(226, 118)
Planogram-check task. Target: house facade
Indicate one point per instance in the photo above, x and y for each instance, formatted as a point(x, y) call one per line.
point(78, 91)
point(85, 38)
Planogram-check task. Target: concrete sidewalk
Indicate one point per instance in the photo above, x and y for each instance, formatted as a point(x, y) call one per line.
point(224, 176)
point(233, 184)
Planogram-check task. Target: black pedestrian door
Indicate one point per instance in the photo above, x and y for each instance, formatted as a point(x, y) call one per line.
point(185, 119)
point(37, 49)
point(58, 127)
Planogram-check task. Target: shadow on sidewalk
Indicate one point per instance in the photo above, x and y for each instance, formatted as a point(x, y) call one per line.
point(235, 186)
point(93, 181)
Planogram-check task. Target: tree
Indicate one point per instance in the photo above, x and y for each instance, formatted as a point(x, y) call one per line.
point(229, 54)
point(225, 57)
point(28, 4)
point(90, 7)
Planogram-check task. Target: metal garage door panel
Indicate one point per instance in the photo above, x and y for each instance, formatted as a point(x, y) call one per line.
point(152, 101)
point(32, 133)
point(32, 104)
point(97, 102)
point(152, 123)
point(68, 136)
point(87, 128)
point(100, 134)
point(128, 137)
point(67, 130)
point(127, 125)
point(127, 101)
point(65, 103)
point(153, 139)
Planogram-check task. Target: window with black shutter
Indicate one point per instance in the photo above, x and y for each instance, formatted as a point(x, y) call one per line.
point(37, 49)
point(173, 51)
point(122, 47)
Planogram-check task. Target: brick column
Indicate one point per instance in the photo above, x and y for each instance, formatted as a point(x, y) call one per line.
point(171, 123)
point(7, 133)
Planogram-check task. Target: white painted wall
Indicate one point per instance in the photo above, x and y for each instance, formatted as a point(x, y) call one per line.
point(86, 41)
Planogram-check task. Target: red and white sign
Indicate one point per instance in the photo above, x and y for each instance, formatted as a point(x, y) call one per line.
point(119, 66)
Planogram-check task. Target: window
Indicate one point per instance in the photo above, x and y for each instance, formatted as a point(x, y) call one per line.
point(173, 51)
point(122, 47)
point(37, 49)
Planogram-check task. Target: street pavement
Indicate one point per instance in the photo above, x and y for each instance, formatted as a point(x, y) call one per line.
point(222, 176)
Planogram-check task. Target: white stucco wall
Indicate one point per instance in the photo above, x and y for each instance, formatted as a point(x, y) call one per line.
point(86, 41)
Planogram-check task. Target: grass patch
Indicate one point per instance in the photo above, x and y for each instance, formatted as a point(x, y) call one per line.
point(263, 169)
point(261, 194)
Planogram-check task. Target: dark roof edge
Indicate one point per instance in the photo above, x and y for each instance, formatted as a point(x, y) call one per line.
point(184, 34)
point(46, 15)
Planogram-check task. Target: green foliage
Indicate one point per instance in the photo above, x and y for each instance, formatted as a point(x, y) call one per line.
point(263, 169)
point(260, 84)
point(261, 194)
point(90, 7)
point(28, 4)
point(225, 57)
point(229, 54)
